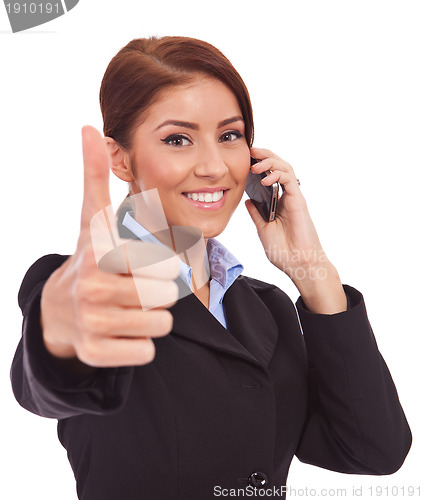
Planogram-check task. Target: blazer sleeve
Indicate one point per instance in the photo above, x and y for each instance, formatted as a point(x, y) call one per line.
point(355, 422)
point(46, 385)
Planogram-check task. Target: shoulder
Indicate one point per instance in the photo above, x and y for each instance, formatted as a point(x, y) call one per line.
point(257, 285)
point(267, 291)
point(277, 302)
point(39, 272)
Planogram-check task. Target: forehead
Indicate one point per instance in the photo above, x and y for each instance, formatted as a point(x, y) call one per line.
point(203, 99)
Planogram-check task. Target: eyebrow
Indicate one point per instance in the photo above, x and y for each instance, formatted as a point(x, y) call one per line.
point(195, 126)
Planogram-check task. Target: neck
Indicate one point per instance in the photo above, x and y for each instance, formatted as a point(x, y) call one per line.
point(195, 257)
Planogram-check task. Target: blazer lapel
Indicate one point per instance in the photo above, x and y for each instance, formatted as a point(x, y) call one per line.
point(250, 321)
point(252, 331)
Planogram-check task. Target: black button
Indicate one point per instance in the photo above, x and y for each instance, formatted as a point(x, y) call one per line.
point(258, 479)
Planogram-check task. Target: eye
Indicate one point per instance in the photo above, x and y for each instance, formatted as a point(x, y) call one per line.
point(177, 140)
point(230, 136)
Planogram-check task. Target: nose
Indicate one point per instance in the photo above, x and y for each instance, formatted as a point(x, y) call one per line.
point(211, 164)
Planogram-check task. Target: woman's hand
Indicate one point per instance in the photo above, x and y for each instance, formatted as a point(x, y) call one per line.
point(291, 241)
point(97, 316)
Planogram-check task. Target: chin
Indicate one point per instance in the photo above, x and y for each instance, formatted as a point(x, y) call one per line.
point(212, 230)
point(210, 225)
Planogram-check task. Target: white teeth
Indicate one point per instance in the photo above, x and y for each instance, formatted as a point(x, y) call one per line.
point(206, 197)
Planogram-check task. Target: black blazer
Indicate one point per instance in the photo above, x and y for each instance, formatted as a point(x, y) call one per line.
point(217, 406)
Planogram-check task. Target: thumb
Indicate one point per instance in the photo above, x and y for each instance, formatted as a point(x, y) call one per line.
point(96, 175)
point(255, 215)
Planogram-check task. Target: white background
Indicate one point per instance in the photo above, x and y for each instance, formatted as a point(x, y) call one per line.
point(337, 90)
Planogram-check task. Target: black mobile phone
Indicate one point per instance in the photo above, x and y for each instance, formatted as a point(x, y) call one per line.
point(264, 197)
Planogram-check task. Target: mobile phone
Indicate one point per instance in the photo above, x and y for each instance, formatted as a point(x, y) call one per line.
point(264, 197)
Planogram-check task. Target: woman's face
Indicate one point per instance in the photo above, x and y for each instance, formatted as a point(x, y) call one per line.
point(192, 148)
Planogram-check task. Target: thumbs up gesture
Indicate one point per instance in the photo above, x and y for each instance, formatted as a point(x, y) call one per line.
point(97, 316)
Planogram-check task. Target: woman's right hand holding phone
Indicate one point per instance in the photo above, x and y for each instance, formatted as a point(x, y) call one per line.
point(93, 315)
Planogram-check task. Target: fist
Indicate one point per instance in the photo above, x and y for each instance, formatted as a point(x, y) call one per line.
point(105, 319)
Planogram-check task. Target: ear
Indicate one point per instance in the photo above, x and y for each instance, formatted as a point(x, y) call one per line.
point(120, 160)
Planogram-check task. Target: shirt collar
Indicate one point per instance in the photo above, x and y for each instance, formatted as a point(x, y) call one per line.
point(224, 267)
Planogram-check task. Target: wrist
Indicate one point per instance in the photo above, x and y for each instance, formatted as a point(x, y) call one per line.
point(321, 289)
point(55, 348)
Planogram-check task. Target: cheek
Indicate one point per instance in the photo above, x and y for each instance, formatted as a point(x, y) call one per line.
point(158, 174)
point(242, 166)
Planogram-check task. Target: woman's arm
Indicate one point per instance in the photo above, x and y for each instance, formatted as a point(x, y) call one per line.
point(83, 325)
point(355, 422)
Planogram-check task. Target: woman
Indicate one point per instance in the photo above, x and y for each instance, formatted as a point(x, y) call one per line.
point(218, 390)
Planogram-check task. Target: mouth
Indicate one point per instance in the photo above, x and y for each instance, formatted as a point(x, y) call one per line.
point(207, 199)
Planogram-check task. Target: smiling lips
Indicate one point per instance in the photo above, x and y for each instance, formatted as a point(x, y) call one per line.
point(210, 199)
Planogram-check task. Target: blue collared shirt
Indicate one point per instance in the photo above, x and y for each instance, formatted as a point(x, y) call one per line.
point(224, 267)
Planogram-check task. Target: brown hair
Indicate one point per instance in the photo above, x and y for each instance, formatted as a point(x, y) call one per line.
point(142, 70)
